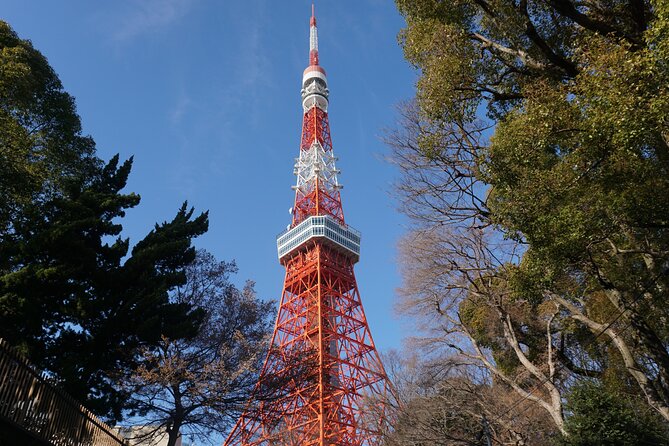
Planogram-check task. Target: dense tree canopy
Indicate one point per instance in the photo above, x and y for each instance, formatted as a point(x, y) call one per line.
point(535, 163)
point(41, 144)
point(73, 296)
point(600, 416)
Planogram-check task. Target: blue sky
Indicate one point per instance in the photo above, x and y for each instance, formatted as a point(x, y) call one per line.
point(206, 96)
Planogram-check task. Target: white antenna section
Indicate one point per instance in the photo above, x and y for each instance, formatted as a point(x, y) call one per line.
point(313, 38)
point(316, 163)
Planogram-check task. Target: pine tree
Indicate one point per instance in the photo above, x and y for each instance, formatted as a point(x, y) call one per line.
point(72, 297)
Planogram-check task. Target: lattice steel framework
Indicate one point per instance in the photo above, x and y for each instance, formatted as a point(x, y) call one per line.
point(322, 373)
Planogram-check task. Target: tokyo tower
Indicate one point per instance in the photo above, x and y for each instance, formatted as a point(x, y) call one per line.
point(322, 358)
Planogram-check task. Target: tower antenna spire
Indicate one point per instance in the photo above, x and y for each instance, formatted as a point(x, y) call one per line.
point(313, 37)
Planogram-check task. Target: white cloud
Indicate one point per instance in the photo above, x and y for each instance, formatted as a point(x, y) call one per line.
point(177, 112)
point(242, 95)
point(145, 16)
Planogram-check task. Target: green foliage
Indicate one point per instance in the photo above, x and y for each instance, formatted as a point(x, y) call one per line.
point(602, 417)
point(41, 145)
point(71, 297)
point(584, 162)
point(479, 314)
point(574, 170)
point(581, 173)
point(72, 304)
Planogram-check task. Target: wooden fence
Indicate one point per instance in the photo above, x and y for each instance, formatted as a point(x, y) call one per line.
point(30, 402)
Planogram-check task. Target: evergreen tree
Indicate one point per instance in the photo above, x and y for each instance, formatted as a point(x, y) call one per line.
point(602, 418)
point(72, 297)
point(41, 144)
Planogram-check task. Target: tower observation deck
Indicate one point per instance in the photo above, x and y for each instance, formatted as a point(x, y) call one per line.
point(322, 382)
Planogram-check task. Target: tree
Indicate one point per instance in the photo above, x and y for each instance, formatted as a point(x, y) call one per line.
point(601, 417)
point(72, 298)
point(568, 168)
point(199, 385)
point(41, 145)
point(454, 280)
point(443, 403)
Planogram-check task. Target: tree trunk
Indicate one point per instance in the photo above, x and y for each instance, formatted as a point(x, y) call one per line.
point(645, 384)
point(647, 339)
point(177, 417)
point(173, 435)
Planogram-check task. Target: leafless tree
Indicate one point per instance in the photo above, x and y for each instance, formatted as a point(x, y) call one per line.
point(456, 266)
point(455, 255)
point(200, 385)
point(456, 284)
point(444, 402)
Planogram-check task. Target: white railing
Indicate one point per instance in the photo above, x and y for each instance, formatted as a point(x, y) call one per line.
point(341, 237)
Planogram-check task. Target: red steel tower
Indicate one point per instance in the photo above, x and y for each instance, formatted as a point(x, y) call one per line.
point(322, 356)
